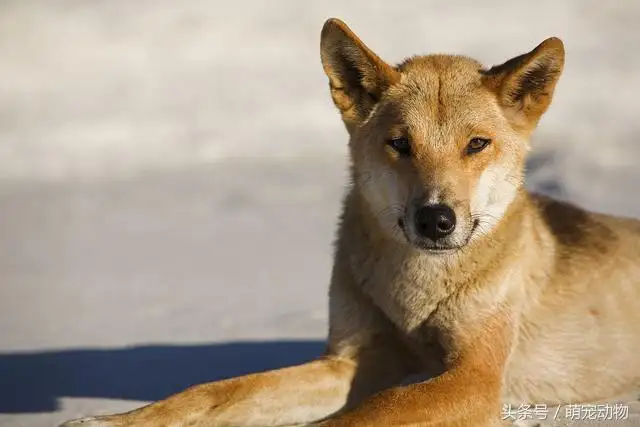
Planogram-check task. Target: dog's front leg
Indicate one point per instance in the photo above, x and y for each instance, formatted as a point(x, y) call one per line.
point(467, 395)
point(294, 395)
point(463, 397)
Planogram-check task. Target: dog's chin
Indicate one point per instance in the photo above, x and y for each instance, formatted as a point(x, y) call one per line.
point(435, 248)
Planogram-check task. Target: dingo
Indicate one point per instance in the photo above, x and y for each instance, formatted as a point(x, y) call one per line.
point(444, 264)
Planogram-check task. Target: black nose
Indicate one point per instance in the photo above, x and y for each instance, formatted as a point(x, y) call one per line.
point(435, 221)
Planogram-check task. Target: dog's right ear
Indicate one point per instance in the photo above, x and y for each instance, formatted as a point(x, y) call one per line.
point(357, 76)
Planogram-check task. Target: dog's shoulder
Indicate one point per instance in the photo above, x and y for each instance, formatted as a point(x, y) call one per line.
point(577, 230)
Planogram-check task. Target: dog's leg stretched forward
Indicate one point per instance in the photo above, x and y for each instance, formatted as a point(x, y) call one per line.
point(363, 356)
point(293, 395)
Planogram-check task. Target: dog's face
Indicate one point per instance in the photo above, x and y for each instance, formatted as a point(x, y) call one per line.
point(438, 143)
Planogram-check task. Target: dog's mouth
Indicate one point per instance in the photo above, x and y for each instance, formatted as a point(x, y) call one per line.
point(436, 247)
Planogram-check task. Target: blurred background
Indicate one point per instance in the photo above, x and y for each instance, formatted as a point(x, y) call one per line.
point(171, 172)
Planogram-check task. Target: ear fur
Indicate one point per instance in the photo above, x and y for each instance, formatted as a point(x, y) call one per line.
point(357, 76)
point(525, 84)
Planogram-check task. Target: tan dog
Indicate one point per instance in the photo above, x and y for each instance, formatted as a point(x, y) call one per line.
point(444, 264)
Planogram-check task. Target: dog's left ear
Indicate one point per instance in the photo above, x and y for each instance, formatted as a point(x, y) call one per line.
point(525, 84)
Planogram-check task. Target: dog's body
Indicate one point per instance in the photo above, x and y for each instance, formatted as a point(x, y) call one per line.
point(445, 265)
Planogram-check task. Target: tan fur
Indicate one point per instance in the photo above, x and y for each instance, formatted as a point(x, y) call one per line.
point(531, 300)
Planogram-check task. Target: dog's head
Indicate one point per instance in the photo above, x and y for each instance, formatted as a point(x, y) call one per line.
point(438, 142)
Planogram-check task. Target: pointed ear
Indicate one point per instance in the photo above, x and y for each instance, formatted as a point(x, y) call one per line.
point(357, 76)
point(525, 84)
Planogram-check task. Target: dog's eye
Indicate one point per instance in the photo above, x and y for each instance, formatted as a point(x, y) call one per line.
point(401, 145)
point(477, 144)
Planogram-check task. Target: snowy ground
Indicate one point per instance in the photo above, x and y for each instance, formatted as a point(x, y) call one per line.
point(170, 174)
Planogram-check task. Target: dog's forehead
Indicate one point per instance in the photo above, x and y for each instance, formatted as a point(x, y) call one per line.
point(442, 91)
point(453, 72)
